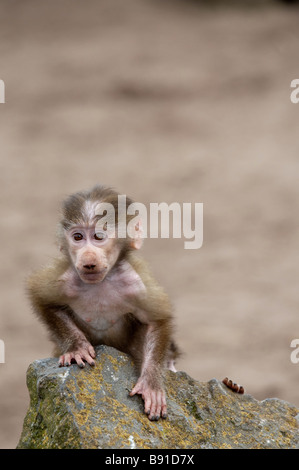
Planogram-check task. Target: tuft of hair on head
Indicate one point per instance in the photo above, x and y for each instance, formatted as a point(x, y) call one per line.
point(73, 207)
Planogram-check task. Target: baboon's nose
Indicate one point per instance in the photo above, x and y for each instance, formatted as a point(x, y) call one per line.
point(90, 267)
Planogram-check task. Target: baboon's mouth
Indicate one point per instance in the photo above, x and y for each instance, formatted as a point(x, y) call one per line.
point(92, 277)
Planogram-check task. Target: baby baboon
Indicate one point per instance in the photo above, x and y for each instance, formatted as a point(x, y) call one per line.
point(99, 292)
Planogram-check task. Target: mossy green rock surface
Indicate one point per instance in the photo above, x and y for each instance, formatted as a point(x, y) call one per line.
point(91, 408)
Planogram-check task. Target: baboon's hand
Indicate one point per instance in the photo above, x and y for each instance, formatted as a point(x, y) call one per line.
point(154, 399)
point(83, 353)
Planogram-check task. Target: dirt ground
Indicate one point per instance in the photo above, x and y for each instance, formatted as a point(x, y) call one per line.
point(165, 101)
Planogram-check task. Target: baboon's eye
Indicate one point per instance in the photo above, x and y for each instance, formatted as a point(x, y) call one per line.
point(77, 237)
point(100, 235)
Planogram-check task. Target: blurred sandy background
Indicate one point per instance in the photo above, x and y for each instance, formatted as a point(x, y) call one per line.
point(166, 101)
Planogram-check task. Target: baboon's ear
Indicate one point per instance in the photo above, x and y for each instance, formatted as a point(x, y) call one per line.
point(137, 236)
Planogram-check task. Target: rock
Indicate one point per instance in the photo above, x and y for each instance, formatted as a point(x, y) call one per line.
point(91, 408)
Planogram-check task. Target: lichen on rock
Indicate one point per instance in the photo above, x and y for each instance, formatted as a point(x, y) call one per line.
point(91, 408)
